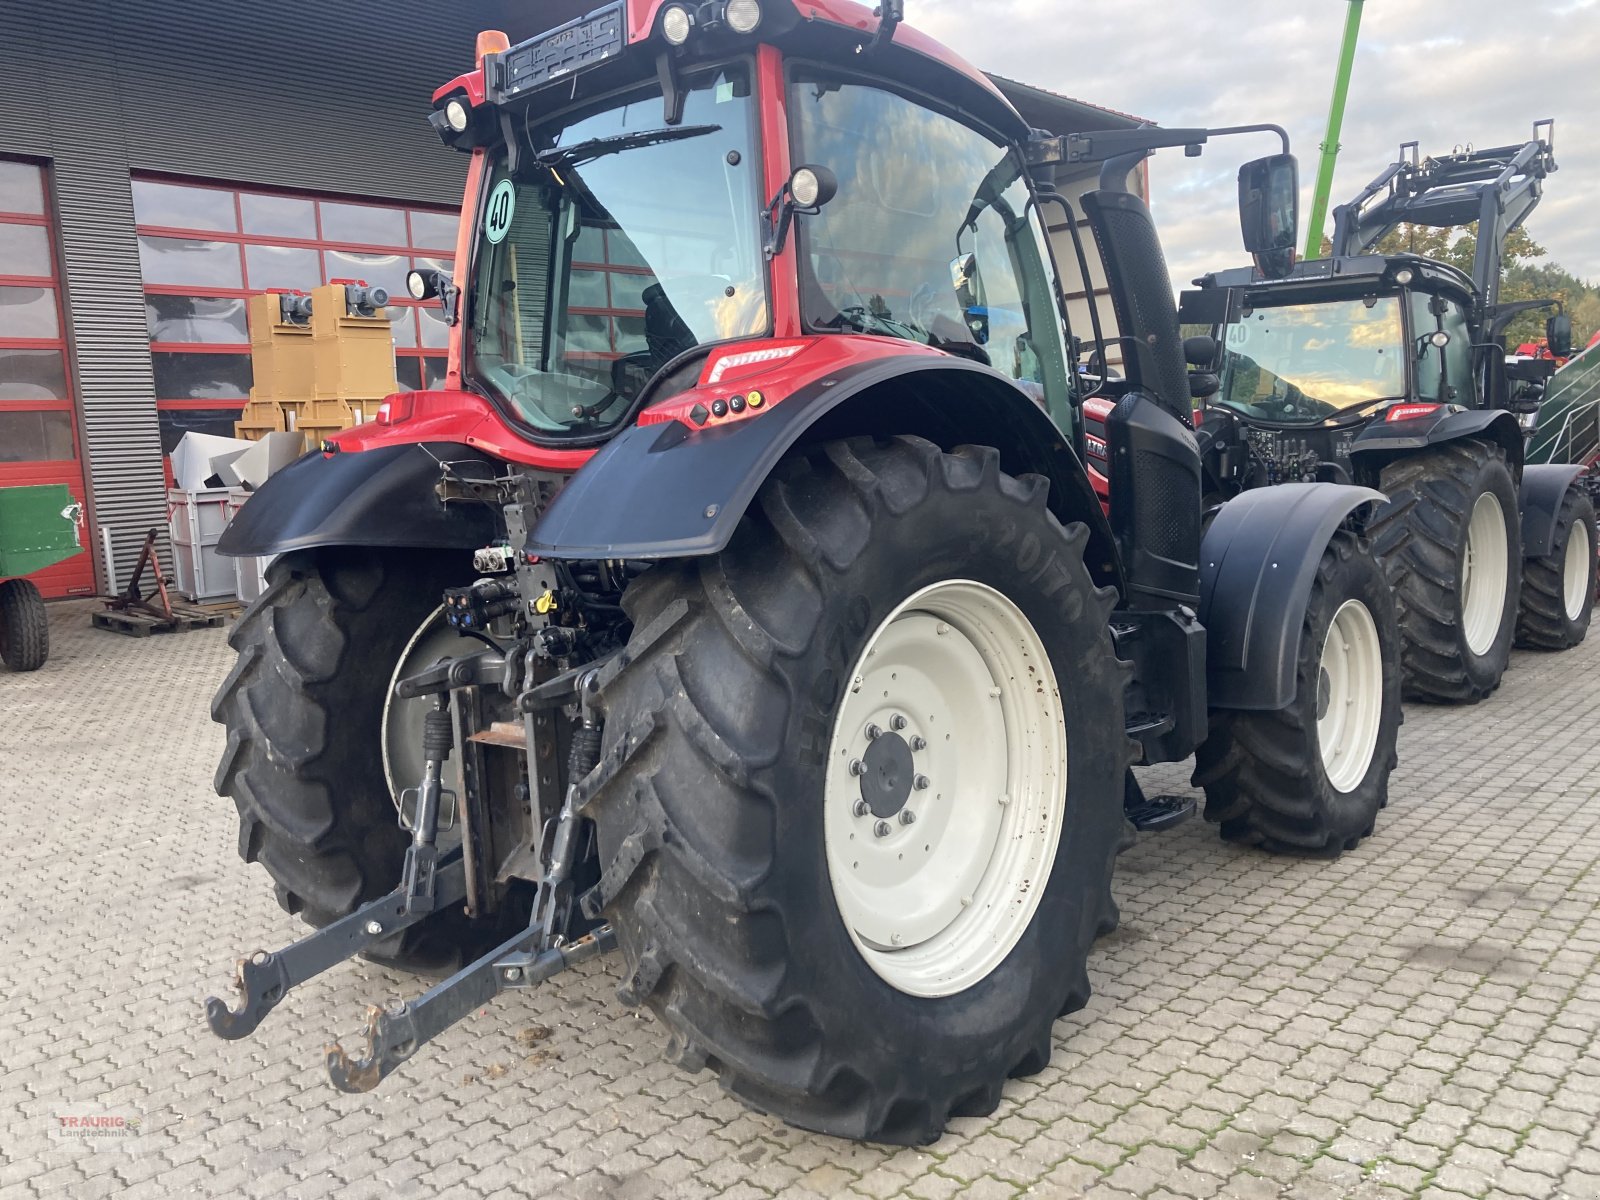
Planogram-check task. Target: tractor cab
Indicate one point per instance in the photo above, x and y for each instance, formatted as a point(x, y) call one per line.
point(666, 196)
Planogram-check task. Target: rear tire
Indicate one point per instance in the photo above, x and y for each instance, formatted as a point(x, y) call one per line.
point(303, 708)
point(1455, 571)
point(1558, 588)
point(714, 811)
point(24, 626)
point(1292, 780)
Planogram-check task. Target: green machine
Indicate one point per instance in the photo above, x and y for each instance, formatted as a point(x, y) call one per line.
point(1568, 429)
point(38, 528)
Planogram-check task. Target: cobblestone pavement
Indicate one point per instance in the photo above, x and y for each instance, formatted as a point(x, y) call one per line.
point(1417, 1018)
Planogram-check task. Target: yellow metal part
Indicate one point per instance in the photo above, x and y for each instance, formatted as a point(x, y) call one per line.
point(317, 378)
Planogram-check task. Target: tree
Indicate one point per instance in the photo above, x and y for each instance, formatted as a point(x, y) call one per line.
point(1521, 277)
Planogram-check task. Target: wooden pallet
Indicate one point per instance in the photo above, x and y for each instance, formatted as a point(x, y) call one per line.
point(139, 622)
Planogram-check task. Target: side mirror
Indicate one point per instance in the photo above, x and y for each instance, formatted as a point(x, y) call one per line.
point(964, 278)
point(1558, 335)
point(1269, 212)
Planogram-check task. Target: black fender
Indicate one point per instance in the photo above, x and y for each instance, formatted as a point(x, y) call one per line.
point(1383, 441)
point(1540, 500)
point(380, 497)
point(1257, 565)
point(668, 491)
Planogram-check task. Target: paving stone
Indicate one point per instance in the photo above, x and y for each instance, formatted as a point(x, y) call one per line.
point(1413, 1019)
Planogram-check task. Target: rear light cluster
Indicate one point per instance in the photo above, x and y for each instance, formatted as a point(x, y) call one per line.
point(723, 364)
point(1407, 412)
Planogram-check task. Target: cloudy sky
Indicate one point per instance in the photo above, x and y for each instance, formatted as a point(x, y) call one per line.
point(1442, 72)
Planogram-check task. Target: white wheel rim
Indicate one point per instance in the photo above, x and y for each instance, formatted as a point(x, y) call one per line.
point(1485, 574)
point(961, 691)
point(402, 719)
point(1349, 696)
point(1575, 570)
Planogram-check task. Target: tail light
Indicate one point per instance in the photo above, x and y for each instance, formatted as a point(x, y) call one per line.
point(1408, 412)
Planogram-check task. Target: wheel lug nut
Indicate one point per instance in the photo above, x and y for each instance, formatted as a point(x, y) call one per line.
point(873, 733)
point(857, 767)
point(881, 829)
point(897, 722)
point(919, 743)
point(860, 808)
point(921, 783)
point(907, 817)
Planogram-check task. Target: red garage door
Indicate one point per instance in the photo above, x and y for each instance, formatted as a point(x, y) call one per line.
point(38, 429)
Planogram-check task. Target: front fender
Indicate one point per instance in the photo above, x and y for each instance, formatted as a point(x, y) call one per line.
point(666, 490)
point(1543, 488)
point(1258, 562)
point(380, 497)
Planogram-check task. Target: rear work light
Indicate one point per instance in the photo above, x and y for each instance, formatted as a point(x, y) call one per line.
point(1407, 412)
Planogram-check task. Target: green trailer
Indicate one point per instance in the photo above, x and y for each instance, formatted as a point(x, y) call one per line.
point(1568, 430)
point(38, 528)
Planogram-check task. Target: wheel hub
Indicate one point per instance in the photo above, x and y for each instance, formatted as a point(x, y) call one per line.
point(1485, 574)
point(1349, 696)
point(890, 772)
point(945, 788)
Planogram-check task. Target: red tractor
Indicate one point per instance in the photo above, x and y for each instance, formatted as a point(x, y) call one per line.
point(742, 601)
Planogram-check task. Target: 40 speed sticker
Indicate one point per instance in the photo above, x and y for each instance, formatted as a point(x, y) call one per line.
point(497, 218)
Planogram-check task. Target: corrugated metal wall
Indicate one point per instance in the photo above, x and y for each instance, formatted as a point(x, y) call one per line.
point(328, 97)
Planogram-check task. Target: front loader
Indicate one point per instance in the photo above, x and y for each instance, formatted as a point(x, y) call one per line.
point(1390, 371)
point(742, 602)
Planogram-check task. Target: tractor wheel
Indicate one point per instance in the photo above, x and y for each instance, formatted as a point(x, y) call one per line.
point(1558, 589)
point(863, 790)
point(24, 626)
point(1310, 779)
point(1450, 540)
point(307, 714)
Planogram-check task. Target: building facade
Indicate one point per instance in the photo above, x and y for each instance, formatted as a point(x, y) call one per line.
point(160, 163)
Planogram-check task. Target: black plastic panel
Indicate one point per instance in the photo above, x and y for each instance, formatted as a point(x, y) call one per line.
point(1257, 564)
point(1540, 501)
point(578, 44)
point(382, 497)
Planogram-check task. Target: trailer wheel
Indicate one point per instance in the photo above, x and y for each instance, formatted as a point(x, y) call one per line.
point(1558, 589)
point(1450, 540)
point(862, 792)
point(1310, 779)
point(305, 712)
point(24, 626)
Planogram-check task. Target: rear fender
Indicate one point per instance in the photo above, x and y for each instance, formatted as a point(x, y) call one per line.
point(380, 497)
point(1383, 441)
point(1542, 490)
point(668, 490)
point(1258, 562)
